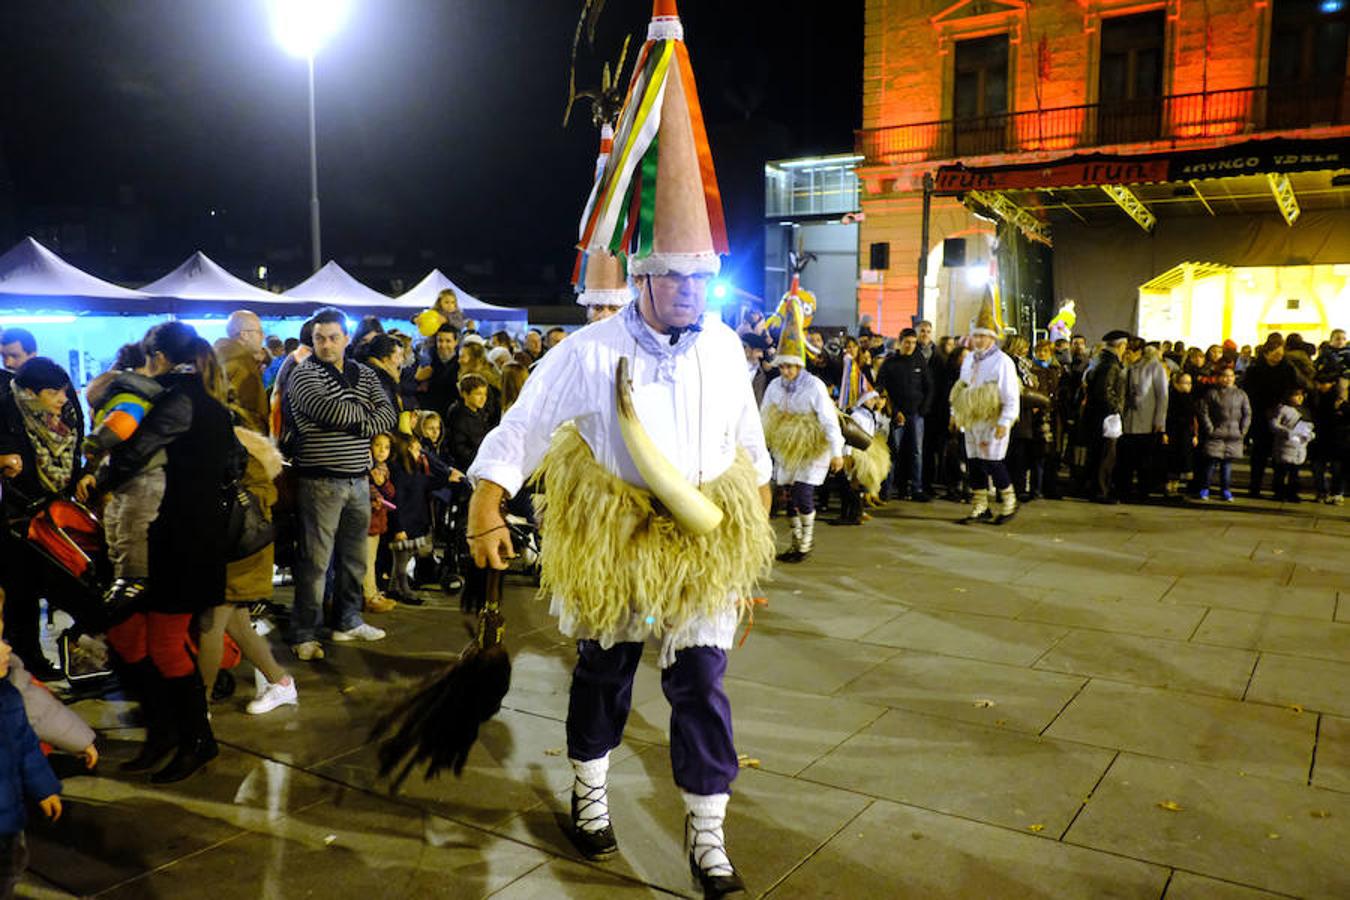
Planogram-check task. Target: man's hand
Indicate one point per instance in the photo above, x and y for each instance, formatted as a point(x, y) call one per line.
point(400, 535)
point(1165, 441)
point(423, 373)
point(456, 476)
point(11, 465)
point(83, 487)
point(1000, 432)
point(90, 756)
point(51, 807)
point(836, 463)
point(489, 540)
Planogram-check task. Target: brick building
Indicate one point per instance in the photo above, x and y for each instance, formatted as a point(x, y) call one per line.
point(1102, 143)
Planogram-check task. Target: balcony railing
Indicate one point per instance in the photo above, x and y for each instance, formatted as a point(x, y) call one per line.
point(1177, 117)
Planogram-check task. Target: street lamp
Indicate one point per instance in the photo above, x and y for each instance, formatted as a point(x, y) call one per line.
point(302, 27)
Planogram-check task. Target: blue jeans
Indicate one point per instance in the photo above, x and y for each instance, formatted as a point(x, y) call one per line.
point(906, 441)
point(334, 519)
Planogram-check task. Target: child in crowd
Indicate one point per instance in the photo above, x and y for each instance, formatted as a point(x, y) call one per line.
point(382, 497)
point(448, 494)
point(121, 398)
point(1182, 435)
point(24, 775)
point(410, 521)
point(1292, 433)
point(1329, 450)
point(1225, 414)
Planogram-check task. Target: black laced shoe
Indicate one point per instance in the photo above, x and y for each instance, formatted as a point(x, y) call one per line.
point(726, 881)
point(594, 845)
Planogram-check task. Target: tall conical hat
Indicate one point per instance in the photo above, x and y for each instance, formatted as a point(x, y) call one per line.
point(657, 199)
point(792, 339)
point(599, 277)
point(987, 321)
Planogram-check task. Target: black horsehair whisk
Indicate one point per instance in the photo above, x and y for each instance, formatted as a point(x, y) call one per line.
point(438, 724)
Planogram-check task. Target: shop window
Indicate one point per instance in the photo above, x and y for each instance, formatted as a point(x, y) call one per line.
point(1129, 88)
point(980, 95)
point(1308, 43)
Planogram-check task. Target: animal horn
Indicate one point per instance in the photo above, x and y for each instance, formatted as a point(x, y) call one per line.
point(692, 511)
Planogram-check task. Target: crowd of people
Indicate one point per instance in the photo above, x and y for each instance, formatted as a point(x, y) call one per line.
point(350, 449)
point(1122, 420)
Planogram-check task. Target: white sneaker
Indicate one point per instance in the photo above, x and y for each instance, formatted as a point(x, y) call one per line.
point(362, 632)
point(283, 693)
point(308, 650)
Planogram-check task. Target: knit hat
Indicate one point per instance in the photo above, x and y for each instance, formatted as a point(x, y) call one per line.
point(600, 278)
point(657, 200)
point(41, 374)
point(987, 321)
point(1115, 336)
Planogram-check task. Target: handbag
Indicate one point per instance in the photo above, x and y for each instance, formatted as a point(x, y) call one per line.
point(247, 530)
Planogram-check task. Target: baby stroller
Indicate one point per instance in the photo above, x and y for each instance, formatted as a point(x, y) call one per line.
point(61, 542)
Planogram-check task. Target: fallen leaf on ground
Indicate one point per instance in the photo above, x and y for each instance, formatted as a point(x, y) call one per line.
point(553, 751)
point(1273, 836)
point(959, 590)
point(1036, 828)
point(1170, 806)
point(1000, 722)
point(983, 703)
point(1320, 814)
point(747, 762)
point(1296, 707)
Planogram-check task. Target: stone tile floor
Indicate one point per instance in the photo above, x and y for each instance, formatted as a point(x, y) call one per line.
point(1094, 702)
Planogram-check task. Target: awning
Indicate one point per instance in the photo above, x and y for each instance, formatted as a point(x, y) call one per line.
point(33, 277)
point(1249, 158)
point(332, 285)
point(424, 293)
point(201, 285)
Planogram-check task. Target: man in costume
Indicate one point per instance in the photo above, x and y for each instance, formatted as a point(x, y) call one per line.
point(600, 280)
point(801, 425)
point(655, 514)
point(985, 404)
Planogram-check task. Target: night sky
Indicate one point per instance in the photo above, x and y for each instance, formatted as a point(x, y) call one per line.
point(123, 123)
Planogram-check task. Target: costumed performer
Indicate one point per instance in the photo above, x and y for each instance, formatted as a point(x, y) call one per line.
point(1061, 326)
point(641, 542)
point(985, 404)
point(865, 470)
point(801, 425)
point(599, 278)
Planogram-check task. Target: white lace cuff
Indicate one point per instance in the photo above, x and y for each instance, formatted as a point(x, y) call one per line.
point(665, 28)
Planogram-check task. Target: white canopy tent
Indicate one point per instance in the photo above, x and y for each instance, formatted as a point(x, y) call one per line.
point(332, 285)
point(201, 285)
point(424, 293)
point(33, 277)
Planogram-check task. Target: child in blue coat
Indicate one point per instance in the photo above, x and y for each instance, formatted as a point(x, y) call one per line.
point(24, 775)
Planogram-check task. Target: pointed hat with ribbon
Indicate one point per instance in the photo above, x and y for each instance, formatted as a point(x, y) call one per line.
point(657, 200)
point(599, 277)
point(792, 340)
point(987, 322)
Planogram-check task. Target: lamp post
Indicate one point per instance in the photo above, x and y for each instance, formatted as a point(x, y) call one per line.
point(302, 27)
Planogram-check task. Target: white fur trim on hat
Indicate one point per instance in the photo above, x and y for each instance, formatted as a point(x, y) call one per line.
point(611, 297)
point(989, 331)
point(703, 263)
point(665, 28)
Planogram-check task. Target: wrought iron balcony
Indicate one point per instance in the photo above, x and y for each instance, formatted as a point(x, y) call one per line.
point(1173, 118)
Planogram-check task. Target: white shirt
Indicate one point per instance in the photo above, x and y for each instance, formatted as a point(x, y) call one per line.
point(808, 396)
point(981, 440)
point(698, 421)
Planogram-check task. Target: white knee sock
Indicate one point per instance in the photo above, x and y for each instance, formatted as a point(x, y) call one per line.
point(589, 788)
point(703, 832)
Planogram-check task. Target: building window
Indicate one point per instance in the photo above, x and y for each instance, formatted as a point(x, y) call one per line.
point(980, 95)
point(1129, 87)
point(1308, 42)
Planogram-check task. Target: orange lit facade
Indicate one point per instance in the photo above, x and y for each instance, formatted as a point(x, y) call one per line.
point(1006, 82)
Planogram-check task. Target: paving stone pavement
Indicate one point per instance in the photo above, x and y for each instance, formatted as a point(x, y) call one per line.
point(1089, 702)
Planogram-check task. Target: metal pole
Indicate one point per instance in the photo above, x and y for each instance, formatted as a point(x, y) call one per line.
point(923, 240)
point(316, 251)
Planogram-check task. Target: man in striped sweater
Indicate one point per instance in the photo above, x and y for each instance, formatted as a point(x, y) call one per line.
point(335, 405)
